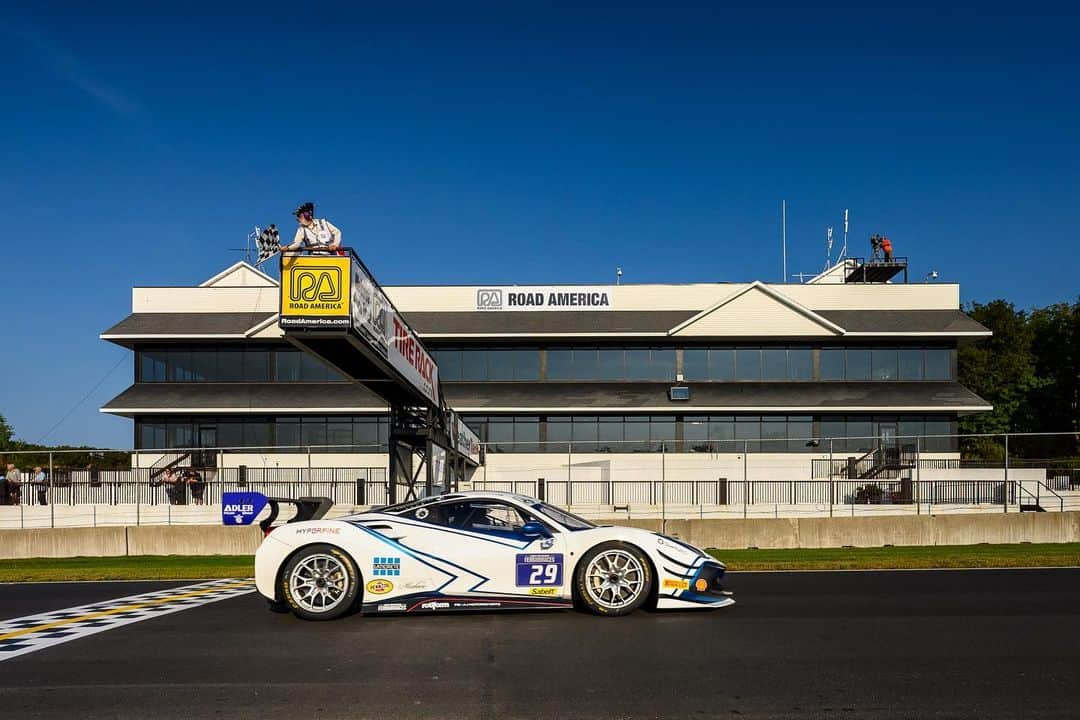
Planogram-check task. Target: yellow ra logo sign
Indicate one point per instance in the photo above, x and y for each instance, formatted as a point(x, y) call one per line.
point(315, 285)
point(380, 587)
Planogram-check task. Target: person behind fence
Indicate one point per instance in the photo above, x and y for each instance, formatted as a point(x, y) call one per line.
point(41, 485)
point(197, 485)
point(174, 487)
point(316, 235)
point(14, 485)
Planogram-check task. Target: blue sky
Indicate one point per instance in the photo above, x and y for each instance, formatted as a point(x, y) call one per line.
point(516, 142)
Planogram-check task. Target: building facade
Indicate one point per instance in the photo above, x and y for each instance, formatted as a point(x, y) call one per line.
point(624, 381)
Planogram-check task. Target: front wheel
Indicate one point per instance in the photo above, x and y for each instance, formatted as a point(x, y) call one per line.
point(320, 582)
point(613, 578)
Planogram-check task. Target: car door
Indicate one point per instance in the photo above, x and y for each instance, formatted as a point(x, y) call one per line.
point(485, 541)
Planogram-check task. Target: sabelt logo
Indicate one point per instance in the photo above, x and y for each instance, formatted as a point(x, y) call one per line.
point(316, 284)
point(491, 299)
point(550, 591)
point(380, 587)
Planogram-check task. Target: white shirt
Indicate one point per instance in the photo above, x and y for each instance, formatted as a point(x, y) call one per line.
point(320, 232)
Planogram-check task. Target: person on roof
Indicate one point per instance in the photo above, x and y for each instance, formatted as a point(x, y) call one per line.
point(886, 247)
point(316, 235)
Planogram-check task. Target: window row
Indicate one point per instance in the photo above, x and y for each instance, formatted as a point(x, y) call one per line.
point(239, 364)
point(711, 433)
point(721, 364)
point(346, 433)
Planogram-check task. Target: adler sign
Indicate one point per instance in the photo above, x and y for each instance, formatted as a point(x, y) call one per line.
point(553, 298)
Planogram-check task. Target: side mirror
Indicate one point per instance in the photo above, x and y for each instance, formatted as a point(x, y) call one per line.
point(535, 530)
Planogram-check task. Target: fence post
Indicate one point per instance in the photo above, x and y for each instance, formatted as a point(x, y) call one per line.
point(663, 491)
point(918, 480)
point(745, 485)
point(138, 492)
point(49, 495)
point(1005, 500)
point(832, 482)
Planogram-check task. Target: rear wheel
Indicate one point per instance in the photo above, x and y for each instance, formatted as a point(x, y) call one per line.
point(613, 578)
point(320, 582)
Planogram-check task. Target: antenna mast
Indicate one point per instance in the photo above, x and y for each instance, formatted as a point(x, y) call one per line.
point(783, 236)
point(843, 250)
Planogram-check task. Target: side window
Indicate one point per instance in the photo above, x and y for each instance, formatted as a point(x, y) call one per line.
point(475, 515)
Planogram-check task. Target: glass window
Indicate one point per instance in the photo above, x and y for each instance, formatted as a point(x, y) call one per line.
point(939, 364)
point(366, 433)
point(449, 362)
point(152, 368)
point(559, 365)
point(500, 364)
point(662, 433)
point(695, 364)
point(832, 363)
point(911, 364)
point(256, 365)
point(883, 361)
point(256, 433)
point(179, 434)
point(584, 364)
point(151, 434)
point(287, 365)
point(610, 365)
point(312, 369)
point(230, 366)
point(833, 426)
point(474, 365)
point(204, 365)
point(180, 369)
point(500, 434)
point(287, 431)
point(558, 434)
point(858, 364)
point(722, 434)
point(609, 434)
point(748, 428)
point(909, 429)
point(774, 364)
point(663, 365)
point(695, 432)
point(860, 431)
point(774, 433)
point(230, 433)
point(938, 428)
point(801, 431)
point(748, 364)
point(584, 434)
point(526, 364)
point(313, 431)
point(339, 432)
point(800, 364)
point(638, 365)
point(636, 431)
point(722, 364)
point(526, 434)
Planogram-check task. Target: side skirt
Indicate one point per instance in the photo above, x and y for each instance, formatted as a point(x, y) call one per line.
point(449, 603)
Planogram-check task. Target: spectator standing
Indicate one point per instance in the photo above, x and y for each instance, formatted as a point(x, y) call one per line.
point(14, 484)
point(316, 235)
point(3, 485)
point(886, 247)
point(174, 486)
point(42, 486)
point(197, 485)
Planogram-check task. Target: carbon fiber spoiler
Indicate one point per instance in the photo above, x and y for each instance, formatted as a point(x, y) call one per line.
point(307, 508)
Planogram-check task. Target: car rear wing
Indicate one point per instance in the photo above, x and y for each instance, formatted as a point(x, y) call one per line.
point(241, 508)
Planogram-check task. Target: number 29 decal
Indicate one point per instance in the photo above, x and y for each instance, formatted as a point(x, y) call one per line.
point(539, 570)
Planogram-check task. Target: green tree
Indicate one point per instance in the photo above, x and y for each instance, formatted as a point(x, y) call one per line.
point(1055, 403)
point(7, 434)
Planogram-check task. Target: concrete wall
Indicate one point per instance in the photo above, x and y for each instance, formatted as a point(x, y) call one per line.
point(722, 534)
point(119, 541)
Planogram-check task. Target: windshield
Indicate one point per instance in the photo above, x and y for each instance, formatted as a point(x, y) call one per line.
point(411, 504)
point(567, 520)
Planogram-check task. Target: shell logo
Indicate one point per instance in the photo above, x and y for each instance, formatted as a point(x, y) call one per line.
point(379, 587)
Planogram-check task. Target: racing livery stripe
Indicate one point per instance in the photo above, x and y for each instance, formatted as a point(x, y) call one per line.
point(37, 632)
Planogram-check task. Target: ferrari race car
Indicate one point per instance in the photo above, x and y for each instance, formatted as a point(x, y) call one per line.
point(479, 551)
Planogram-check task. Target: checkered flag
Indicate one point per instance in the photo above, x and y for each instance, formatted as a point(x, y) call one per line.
point(268, 242)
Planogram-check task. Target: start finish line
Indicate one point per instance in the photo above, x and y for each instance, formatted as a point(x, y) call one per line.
point(332, 307)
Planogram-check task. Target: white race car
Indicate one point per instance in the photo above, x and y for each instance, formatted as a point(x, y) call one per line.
point(479, 551)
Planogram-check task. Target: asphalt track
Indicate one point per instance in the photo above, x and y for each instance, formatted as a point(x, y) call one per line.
point(965, 644)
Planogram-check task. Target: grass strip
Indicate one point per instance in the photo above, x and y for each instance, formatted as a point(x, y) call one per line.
point(904, 558)
point(145, 567)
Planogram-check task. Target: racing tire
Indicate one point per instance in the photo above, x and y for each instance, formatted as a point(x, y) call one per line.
point(319, 582)
point(613, 579)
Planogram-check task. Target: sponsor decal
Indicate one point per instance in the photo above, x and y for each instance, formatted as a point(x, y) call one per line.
point(700, 585)
point(315, 292)
point(241, 508)
point(556, 297)
point(477, 604)
point(386, 566)
point(407, 354)
point(392, 607)
point(539, 569)
point(434, 605)
point(379, 587)
point(416, 585)
point(676, 585)
point(318, 531)
point(550, 591)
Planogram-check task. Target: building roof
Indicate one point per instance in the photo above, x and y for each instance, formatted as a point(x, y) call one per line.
point(186, 326)
point(262, 398)
point(942, 322)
